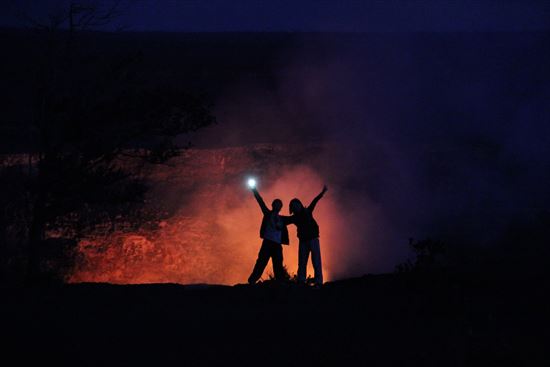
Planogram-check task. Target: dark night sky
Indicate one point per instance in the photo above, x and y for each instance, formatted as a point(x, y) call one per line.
point(310, 15)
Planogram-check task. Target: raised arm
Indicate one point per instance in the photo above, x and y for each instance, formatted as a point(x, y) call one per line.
point(317, 198)
point(260, 201)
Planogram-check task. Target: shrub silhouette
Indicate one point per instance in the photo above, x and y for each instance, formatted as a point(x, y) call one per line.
point(429, 256)
point(289, 277)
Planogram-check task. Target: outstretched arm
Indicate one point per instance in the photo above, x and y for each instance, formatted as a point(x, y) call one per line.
point(287, 219)
point(317, 198)
point(260, 201)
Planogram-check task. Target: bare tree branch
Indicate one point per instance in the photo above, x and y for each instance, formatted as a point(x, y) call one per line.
point(80, 16)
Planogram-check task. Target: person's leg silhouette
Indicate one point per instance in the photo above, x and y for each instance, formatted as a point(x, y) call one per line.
point(277, 260)
point(316, 260)
point(303, 255)
point(261, 262)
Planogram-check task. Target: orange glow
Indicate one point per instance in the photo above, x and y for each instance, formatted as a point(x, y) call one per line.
point(213, 236)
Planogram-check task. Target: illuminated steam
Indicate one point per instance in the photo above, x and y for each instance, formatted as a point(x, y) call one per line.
point(414, 135)
point(213, 236)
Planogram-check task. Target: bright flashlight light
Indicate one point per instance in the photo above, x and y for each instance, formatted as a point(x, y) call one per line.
point(251, 183)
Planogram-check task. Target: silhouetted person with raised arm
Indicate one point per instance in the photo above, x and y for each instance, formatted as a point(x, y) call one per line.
point(274, 233)
point(308, 235)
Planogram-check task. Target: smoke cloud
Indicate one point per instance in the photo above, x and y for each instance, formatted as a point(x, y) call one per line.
point(417, 135)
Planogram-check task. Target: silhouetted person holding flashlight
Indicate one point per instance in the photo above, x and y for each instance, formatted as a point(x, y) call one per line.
point(274, 233)
point(308, 235)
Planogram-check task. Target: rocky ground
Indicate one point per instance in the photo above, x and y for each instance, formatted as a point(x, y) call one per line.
point(399, 320)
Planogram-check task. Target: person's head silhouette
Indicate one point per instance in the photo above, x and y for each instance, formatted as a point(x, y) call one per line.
point(295, 206)
point(277, 205)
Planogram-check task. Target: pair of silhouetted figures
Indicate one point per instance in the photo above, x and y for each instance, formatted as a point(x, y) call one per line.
point(274, 233)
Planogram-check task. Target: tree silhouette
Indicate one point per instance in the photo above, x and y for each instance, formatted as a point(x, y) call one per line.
point(91, 111)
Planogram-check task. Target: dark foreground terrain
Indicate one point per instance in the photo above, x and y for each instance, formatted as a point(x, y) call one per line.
point(400, 320)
